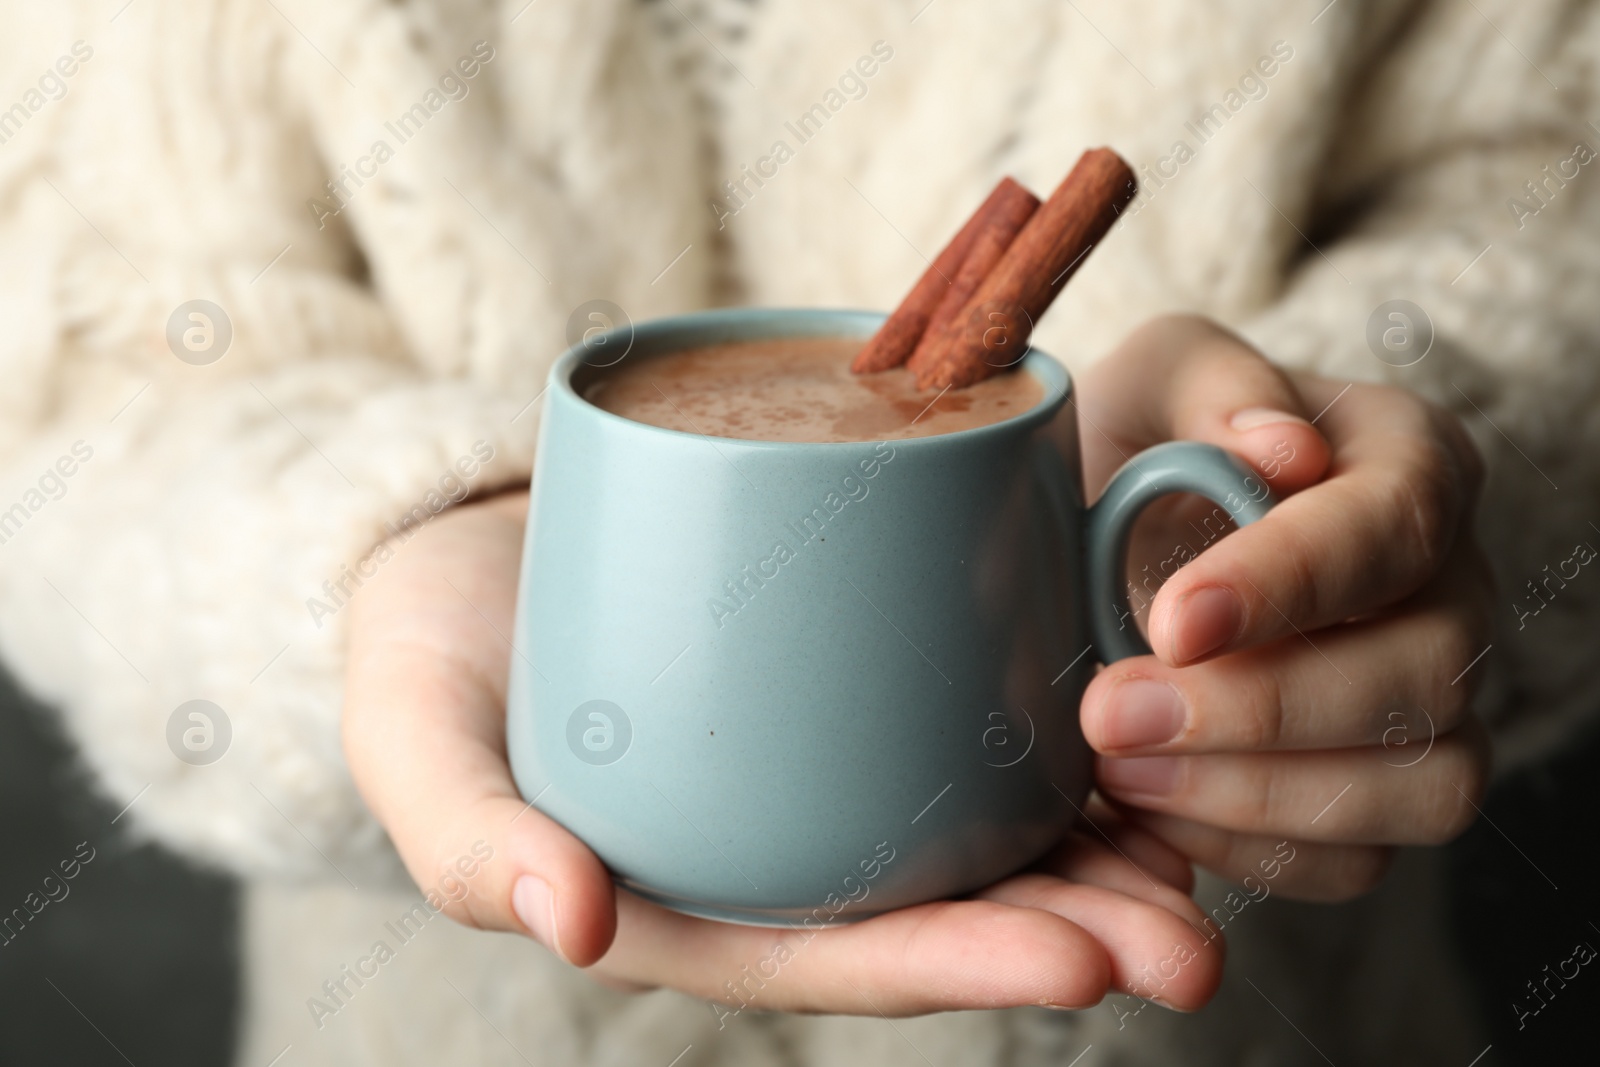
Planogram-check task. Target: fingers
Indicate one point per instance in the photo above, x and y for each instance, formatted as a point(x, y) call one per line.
point(1185, 377)
point(1153, 952)
point(1297, 869)
point(1388, 681)
point(423, 734)
point(443, 791)
point(1088, 861)
point(1088, 920)
point(970, 954)
point(1352, 796)
point(1399, 491)
point(1142, 851)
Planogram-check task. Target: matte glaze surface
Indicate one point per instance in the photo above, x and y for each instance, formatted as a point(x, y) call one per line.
point(881, 712)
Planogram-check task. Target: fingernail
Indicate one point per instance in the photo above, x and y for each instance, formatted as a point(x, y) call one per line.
point(1140, 712)
point(1203, 622)
point(1250, 418)
point(535, 905)
point(1148, 776)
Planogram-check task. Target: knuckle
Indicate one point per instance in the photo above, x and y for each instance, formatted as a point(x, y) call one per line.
point(1335, 874)
point(1420, 502)
point(1430, 527)
point(1300, 583)
point(1463, 779)
point(1246, 709)
point(1265, 704)
point(1468, 460)
point(1453, 644)
point(1277, 798)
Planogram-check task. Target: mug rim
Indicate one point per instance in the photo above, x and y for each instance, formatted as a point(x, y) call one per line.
point(780, 322)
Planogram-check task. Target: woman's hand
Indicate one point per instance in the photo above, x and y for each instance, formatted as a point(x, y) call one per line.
point(1312, 671)
point(424, 735)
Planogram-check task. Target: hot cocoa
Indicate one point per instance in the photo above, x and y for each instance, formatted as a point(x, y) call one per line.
point(799, 389)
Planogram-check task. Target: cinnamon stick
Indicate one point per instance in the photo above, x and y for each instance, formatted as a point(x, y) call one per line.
point(998, 229)
point(990, 333)
point(895, 340)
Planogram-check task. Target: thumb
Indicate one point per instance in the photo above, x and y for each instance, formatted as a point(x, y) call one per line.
point(1183, 377)
point(427, 755)
point(424, 735)
point(541, 880)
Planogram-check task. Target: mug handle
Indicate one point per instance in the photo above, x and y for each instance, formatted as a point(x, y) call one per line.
point(1174, 467)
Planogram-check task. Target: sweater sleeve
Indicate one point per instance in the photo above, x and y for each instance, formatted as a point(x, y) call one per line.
point(222, 401)
point(1455, 254)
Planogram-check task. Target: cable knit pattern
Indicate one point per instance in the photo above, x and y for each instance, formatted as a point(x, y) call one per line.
point(373, 347)
point(367, 355)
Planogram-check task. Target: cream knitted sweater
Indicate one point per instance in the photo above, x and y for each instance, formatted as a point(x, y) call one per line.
point(397, 206)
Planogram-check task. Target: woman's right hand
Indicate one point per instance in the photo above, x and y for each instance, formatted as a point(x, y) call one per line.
point(423, 728)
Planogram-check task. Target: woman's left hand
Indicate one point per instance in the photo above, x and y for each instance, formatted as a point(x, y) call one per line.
point(1313, 671)
point(424, 732)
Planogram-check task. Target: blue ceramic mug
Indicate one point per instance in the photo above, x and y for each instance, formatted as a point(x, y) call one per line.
point(775, 683)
